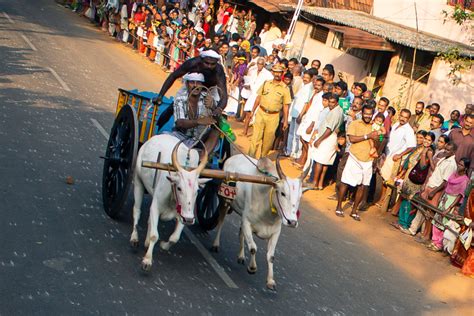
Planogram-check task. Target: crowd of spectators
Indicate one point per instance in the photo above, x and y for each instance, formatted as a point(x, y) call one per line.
point(349, 135)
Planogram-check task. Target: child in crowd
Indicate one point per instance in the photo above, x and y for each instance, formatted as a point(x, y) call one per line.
point(377, 126)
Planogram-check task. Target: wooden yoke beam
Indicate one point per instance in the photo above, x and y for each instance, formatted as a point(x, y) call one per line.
point(216, 174)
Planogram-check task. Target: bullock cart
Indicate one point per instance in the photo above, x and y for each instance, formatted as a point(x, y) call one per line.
point(137, 119)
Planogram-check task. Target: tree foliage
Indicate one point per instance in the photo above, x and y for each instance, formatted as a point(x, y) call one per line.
point(458, 15)
point(457, 62)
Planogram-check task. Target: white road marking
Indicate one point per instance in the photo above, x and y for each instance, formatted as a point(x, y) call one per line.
point(200, 247)
point(8, 18)
point(29, 42)
point(61, 81)
point(100, 128)
point(210, 259)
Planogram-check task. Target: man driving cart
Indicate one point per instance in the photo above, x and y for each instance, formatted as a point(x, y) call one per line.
point(213, 75)
point(193, 112)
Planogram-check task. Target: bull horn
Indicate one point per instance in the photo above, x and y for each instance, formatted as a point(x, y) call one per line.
point(306, 171)
point(203, 162)
point(174, 157)
point(279, 170)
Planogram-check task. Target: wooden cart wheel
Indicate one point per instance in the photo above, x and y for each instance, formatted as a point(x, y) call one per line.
point(207, 201)
point(207, 205)
point(119, 161)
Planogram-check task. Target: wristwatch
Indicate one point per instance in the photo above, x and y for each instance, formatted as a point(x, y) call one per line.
point(365, 136)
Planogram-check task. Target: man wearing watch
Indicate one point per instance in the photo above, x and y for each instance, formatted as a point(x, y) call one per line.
point(358, 169)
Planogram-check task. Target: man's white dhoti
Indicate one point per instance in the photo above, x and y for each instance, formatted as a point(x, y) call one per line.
point(325, 154)
point(357, 172)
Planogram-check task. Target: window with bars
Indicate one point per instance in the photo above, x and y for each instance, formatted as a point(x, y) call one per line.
point(423, 63)
point(359, 53)
point(319, 33)
point(337, 40)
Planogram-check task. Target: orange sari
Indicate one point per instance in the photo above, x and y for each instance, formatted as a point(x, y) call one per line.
point(461, 257)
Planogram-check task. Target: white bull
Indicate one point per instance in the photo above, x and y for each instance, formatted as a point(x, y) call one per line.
point(263, 208)
point(167, 203)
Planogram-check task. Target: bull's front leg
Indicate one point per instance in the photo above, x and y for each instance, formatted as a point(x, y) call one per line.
point(138, 191)
point(241, 257)
point(271, 246)
point(152, 235)
point(166, 245)
point(220, 223)
point(247, 231)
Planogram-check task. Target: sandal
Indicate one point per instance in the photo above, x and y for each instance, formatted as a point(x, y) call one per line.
point(422, 240)
point(433, 247)
point(395, 225)
point(355, 217)
point(340, 213)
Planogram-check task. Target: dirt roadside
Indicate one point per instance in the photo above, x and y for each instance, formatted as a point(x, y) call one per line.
point(432, 271)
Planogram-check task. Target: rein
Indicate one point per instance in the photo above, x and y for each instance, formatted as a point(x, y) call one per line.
point(265, 172)
point(272, 207)
point(173, 189)
point(274, 210)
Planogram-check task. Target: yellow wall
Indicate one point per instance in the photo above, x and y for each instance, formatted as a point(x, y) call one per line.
point(430, 17)
point(354, 68)
point(438, 89)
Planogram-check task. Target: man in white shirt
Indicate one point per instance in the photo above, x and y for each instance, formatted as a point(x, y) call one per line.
point(309, 117)
point(297, 79)
point(433, 189)
point(252, 82)
point(301, 98)
point(273, 34)
point(401, 141)
point(254, 55)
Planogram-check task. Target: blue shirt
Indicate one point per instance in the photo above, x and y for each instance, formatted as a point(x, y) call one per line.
point(446, 127)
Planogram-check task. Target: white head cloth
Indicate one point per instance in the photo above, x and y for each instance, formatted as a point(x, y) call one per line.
point(199, 29)
point(210, 53)
point(195, 76)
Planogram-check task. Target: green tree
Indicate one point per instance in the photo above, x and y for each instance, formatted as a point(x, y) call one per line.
point(458, 63)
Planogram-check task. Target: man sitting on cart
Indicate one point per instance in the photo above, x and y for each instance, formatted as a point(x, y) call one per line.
point(193, 113)
point(214, 75)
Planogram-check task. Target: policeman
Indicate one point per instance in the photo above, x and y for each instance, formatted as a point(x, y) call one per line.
point(273, 97)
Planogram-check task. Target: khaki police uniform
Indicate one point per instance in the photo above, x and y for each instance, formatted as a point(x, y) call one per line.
point(273, 96)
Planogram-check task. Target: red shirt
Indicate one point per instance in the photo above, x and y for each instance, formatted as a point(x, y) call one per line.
point(465, 144)
point(139, 17)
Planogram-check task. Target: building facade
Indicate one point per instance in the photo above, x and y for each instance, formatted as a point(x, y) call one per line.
point(373, 41)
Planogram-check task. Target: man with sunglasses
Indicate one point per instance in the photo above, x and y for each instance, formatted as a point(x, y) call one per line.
point(214, 75)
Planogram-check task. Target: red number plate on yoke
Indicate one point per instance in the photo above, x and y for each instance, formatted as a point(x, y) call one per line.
point(227, 191)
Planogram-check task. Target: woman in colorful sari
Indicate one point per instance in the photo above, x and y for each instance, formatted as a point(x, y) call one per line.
point(198, 43)
point(468, 263)
point(406, 213)
point(183, 45)
point(410, 162)
point(453, 195)
point(207, 22)
point(174, 48)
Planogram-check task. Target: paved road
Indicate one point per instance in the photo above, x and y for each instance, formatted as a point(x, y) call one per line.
point(61, 255)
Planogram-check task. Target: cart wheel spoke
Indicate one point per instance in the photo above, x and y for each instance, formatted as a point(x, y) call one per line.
point(121, 153)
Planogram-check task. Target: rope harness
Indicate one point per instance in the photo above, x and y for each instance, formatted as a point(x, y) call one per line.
point(173, 189)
